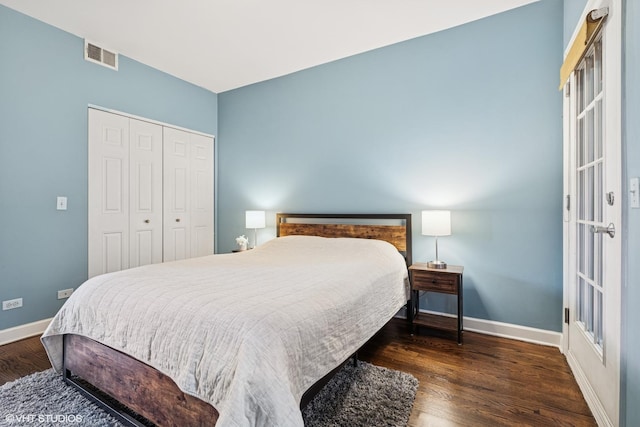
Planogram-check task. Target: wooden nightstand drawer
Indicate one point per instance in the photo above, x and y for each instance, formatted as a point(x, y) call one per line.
point(435, 282)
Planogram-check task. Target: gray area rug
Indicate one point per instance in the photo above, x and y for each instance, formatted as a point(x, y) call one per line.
point(365, 395)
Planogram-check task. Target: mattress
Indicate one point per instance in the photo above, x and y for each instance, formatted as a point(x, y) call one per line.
point(247, 332)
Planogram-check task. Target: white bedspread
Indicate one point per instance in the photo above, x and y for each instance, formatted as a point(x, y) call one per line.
point(248, 332)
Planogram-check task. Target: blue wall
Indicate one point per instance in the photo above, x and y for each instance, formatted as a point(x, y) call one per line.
point(572, 12)
point(630, 415)
point(467, 119)
point(45, 88)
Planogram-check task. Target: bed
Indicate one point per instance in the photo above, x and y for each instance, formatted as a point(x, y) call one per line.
point(235, 339)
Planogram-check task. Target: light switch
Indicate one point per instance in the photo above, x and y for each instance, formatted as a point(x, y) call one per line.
point(61, 204)
point(634, 188)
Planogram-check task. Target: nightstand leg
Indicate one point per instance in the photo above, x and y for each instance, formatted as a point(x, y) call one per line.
point(460, 313)
point(415, 298)
point(410, 312)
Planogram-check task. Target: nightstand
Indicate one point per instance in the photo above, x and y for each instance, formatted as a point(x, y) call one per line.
point(442, 280)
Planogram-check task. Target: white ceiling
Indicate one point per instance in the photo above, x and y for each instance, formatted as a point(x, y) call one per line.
point(224, 44)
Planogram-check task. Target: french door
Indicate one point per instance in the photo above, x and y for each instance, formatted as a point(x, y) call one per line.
point(592, 221)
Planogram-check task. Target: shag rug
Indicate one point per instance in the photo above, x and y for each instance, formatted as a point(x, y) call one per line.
point(365, 395)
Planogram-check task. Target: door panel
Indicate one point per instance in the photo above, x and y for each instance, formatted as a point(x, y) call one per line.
point(113, 202)
point(144, 248)
point(177, 243)
point(108, 196)
point(145, 220)
point(201, 241)
point(201, 195)
point(113, 245)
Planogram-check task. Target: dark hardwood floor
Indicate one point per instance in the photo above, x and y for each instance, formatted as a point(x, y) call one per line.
point(488, 381)
point(22, 358)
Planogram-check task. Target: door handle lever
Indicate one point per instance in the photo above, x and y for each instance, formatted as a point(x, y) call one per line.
point(610, 230)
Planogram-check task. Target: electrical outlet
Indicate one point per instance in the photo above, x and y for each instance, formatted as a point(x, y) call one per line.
point(61, 203)
point(11, 304)
point(65, 293)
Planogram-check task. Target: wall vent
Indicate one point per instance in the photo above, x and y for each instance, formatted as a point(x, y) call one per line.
point(95, 53)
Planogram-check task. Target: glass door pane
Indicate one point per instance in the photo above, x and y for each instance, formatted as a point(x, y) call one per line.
point(590, 197)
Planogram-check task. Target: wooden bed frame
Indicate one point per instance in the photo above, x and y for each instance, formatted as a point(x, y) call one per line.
point(105, 375)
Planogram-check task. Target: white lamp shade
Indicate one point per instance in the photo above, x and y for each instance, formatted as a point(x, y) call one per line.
point(255, 219)
point(436, 223)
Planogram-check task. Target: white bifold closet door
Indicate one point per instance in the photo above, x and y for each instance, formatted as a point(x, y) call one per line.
point(108, 196)
point(125, 192)
point(145, 186)
point(188, 183)
point(150, 193)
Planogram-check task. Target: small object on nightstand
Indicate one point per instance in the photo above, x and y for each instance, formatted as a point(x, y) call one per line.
point(242, 242)
point(442, 280)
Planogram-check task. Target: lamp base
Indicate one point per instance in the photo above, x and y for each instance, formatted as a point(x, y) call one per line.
point(437, 264)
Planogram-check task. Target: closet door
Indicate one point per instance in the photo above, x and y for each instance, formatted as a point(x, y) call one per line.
point(145, 174)
point(188, 194)
point(201, 195)
point(108, 198)
point(177, 200)
point(150, 193)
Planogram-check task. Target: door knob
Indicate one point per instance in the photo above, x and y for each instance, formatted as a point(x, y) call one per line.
point(610, 229)
point(146, 221)
point(177, 219)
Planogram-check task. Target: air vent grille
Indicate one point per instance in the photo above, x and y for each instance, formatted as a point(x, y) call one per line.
point(95, 53)
point(109, 58)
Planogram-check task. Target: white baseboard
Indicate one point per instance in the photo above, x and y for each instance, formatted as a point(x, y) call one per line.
point(505, 330)
point(20, 332)
point(516, 332)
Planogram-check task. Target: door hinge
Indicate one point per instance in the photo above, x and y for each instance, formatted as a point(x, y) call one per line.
point(566, 315)
point(567, 90)
point(568, 202)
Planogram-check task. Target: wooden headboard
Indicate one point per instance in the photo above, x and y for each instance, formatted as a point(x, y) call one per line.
point(392, 228)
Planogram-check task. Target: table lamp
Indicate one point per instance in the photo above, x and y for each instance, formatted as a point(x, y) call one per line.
point(436, 223)
point(255, 220)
